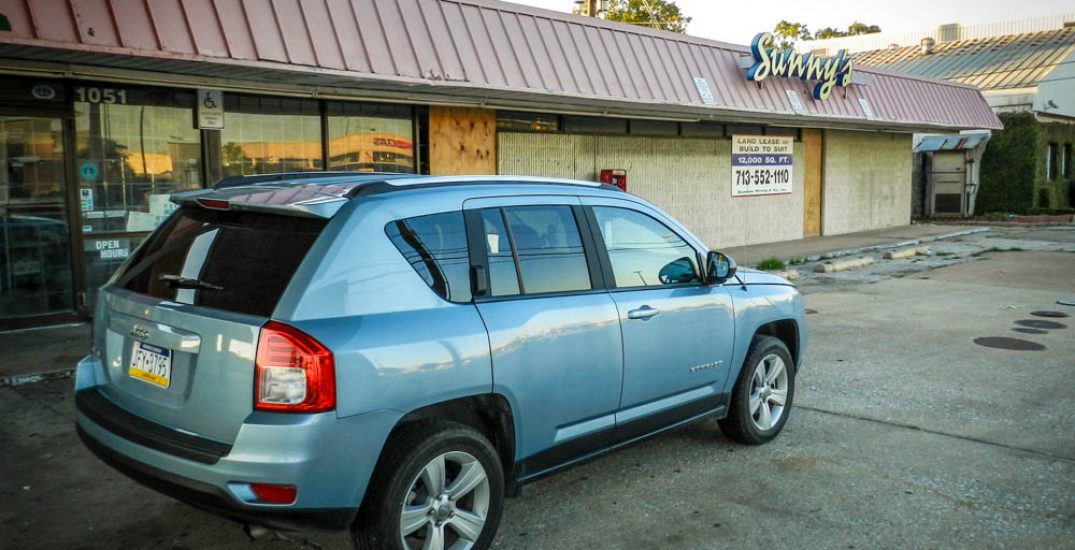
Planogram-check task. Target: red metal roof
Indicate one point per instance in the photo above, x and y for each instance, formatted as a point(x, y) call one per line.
point(493, 52)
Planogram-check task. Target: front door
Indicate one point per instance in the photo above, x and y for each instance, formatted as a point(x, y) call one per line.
point(37, 283)
point(677, 332)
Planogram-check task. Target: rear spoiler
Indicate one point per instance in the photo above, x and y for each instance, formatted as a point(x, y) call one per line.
point(308, 201)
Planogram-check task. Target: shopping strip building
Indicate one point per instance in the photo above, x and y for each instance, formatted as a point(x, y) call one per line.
point(106, 107)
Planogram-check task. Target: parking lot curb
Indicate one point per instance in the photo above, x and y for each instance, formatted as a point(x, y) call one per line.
point(885, 246)
point(20, 379)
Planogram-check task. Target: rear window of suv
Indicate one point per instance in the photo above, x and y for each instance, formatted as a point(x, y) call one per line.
point(234, 261)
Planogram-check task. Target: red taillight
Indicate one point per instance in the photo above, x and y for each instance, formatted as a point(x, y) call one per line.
point(214, 204)
point(293, 372)
point(275, 494)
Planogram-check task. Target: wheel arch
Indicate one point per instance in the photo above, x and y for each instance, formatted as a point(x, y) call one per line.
point(490, 414)
point(785, 330)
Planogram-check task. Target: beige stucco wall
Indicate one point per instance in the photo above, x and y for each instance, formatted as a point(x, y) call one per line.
point(688, 178)
point(866, 181)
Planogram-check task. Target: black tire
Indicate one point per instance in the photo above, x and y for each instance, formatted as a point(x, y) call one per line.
point(406, 454)
point(740, 425)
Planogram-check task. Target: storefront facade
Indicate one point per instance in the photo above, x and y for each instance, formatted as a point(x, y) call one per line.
point(89, 168)
point(104, 113)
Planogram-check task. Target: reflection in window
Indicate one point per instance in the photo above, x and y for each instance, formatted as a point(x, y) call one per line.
point(370, 144)
point(503, 278)
point(549, 249)
point(643, 251)
point(130, 158)
point(436, 247)
point(268, 143)
point(35, 260)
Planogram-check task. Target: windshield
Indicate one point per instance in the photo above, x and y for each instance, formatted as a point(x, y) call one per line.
point(235, 261)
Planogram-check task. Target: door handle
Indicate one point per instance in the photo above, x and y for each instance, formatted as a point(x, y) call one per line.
point(644, 312)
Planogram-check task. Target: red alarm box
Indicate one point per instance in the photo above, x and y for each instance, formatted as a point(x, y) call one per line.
point(615, 176)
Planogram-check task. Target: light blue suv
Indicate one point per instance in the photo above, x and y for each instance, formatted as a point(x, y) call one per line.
point(396, 354)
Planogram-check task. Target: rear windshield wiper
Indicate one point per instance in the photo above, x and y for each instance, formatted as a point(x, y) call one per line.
point(177, 281)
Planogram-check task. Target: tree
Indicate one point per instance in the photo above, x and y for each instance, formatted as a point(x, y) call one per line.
point(857, 28)
point(787, 33)
point(657, 14)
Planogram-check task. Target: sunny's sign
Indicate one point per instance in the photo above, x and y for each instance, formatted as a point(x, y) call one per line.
point(828, 71)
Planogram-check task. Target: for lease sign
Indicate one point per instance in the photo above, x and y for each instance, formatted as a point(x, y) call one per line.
point(761, 165)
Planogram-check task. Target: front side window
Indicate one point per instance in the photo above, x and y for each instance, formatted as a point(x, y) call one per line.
point(436, 247)
point(643, 251)
point(534, 250)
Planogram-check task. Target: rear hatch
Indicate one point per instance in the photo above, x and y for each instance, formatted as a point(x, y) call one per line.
point(177, 327)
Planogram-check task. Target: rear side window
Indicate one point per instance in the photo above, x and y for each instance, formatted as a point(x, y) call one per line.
point(436, 247)
point(234, 261)
point(534, 250)
point(643, 251)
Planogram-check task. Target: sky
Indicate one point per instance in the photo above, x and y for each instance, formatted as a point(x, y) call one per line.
point(738, 21)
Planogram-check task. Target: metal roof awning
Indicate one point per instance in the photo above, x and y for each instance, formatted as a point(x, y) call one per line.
point(953, 142)
point(462, 52)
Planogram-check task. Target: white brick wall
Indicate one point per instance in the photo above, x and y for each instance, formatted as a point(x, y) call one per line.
point(689, 178)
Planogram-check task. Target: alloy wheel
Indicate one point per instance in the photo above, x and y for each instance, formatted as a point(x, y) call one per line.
point(768, 392)
point(446, 505)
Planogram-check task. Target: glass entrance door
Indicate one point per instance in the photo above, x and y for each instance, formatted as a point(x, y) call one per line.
point(36, 279)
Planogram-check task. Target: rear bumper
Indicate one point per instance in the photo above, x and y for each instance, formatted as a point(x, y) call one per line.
point(330, 460)
point(213, 499)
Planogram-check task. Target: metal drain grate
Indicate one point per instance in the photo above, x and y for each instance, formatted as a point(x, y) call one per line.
point(1053, 314)
point(1040, 323)
point(1015, 344)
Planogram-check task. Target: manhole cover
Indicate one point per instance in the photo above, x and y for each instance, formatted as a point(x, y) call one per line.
point(1001, 342)
point(1030, 330)
point(1040, 323)
point(811, 311)
point(1054, 314)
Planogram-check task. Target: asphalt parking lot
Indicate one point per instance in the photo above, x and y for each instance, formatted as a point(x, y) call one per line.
point(906, 433)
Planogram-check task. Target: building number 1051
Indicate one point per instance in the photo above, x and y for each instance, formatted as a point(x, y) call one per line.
point(88, 94)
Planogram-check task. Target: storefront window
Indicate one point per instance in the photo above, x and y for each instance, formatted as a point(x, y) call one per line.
point(263, 135)
point(133, 147)
point(35, 260)
point(370, 138)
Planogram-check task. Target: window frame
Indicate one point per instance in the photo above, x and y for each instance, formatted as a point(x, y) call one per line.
point(479, 261)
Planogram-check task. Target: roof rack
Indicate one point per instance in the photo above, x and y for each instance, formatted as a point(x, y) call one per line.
point(254, 179)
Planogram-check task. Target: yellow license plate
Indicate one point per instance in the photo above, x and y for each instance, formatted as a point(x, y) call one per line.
point(151, 364)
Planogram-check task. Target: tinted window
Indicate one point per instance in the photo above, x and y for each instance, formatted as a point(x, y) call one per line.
point(643, 251)
point(549, 249)
point(503, 279)
point(248, 259)
point(436, 247)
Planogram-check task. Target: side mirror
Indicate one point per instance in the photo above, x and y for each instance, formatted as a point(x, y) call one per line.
point(718, 267)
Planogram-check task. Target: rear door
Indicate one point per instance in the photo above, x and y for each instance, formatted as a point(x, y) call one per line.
point(178, 327)
point(677, 332)
point(553, 331)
